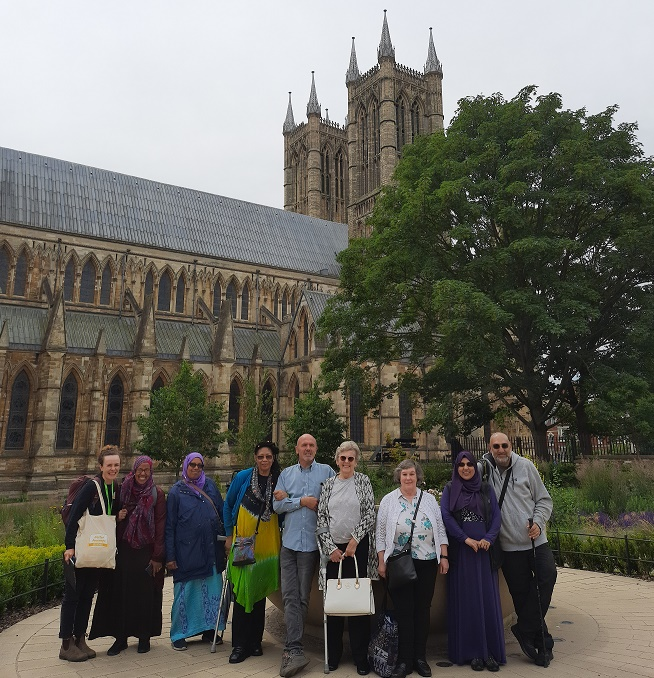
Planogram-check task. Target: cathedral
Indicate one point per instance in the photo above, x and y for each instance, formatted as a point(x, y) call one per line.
point(108, 282)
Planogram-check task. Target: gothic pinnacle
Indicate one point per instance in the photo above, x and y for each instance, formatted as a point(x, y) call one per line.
point(289, 123)
point(433, 65)
point(353, 70)
point(313, 106)
point(385, 49)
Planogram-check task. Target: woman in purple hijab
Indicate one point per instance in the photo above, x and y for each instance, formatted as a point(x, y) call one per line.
point(472, 520)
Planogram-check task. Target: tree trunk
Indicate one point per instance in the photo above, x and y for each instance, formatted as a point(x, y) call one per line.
point(541, 448)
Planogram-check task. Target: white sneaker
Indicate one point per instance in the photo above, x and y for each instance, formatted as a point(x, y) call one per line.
point(292, 663)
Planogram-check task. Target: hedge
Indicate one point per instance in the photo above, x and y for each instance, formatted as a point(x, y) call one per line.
point(23, 575)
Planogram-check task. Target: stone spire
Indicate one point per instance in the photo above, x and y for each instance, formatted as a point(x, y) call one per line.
point(289, 123)
point(433, 65)
point(353, 71)
point(385, 49)
point(313, 106)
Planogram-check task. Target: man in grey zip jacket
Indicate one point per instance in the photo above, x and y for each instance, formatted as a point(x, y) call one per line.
point(526, 508)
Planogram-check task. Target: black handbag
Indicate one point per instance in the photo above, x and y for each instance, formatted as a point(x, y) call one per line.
point(399, 567)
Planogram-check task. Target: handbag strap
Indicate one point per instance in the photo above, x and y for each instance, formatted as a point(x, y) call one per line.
point(97, 484)
point(340, 570)
point(413, 522)
point(506, 484)
point(256, 529)
point(208, 498)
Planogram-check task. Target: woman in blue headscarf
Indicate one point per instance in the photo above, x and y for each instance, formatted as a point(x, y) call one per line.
point(195, 556)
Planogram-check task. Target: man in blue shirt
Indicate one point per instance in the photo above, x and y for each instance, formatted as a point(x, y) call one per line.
point(296, 496)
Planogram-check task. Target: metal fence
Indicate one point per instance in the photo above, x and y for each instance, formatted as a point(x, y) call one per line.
point(49, 582)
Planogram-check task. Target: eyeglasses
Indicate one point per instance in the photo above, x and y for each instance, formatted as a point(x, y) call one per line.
point(264, 457)
point(504, 446)
point(192, 465)
point(466, 463)
point(142, 471)
point(346, 458)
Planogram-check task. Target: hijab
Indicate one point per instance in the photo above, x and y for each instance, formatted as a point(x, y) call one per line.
point(466, 493)
point(197, 484)
point(140, 522)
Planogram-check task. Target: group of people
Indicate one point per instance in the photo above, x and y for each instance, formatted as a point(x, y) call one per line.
point(491, 510)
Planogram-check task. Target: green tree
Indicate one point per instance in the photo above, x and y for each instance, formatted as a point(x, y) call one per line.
point(315, 415)
point(507, 264)
point(180, 420)
point(257, 421)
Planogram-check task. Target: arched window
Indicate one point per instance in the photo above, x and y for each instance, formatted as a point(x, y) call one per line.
point(67, 412)
point(363, 151)
point(165, 286)
point(230, 295)
point(4, 270)
point(415, 122)
point(105, 288)
point(276, 304)
point(217, 292)
point(356, 415)
point(20, 277)
point(69, 280)
point(375, 150)
point(245, 303)
point(158, 383)
point(267, 407)
point(180, 295)
point(400, 123)
point(149, 283)
point(406, 414)
point(87, 284)
point(17, 422)
point(284, 304)
point(305, 336)
point(234, 416)
point(292, 304)
point(114, 419)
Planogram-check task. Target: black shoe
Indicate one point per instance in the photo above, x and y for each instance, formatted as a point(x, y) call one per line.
point(544, 657)
point(525, 645)
point(491, 664)
point(239, 654)
point(422, 668)
point(256, 650)
point(119, 645)
point(332, 665)
point(207, 637)
point(400, 671)
point(477, 664)
point(363, 669)
point(144, 645)
point(180, 645)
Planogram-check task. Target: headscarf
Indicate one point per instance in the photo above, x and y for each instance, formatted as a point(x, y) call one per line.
point(197, 484)
point(466, 493)
point(140, 522)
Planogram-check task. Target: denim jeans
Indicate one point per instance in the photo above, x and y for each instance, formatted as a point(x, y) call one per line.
point(297, 570)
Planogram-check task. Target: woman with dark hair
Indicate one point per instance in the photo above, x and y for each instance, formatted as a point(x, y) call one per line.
point(248, 509)
point(103, 490)
point(132, 605)
point(472, 520)
point(195, 554)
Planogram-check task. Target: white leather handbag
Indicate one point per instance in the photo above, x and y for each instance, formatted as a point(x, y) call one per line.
point(349, 597)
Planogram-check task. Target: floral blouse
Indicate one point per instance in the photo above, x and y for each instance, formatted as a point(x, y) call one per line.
point(423, 545)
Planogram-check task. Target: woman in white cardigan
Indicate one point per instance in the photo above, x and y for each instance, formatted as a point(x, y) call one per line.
point(412, 601)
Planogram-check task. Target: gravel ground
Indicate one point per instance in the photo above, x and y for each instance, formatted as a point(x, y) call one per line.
point(11, 617)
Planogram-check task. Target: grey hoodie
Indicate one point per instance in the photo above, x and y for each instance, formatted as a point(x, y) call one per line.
point(525, 498)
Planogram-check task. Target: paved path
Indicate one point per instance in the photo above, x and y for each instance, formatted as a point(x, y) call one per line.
point(603, 626)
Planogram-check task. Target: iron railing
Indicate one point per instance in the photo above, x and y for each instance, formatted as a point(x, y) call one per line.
point(48, 581)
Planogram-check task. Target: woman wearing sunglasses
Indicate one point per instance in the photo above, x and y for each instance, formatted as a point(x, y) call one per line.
point(472, 520)
point(195, 556)
point(248, 510)
point(345, 530)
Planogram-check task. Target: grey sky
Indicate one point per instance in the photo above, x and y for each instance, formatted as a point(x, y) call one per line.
point(194, 92)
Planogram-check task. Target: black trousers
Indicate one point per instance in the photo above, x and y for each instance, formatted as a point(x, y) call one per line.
point(247, 627)
point(412, 604)
point(359, 626)
point(76, 605)
point(520, 571)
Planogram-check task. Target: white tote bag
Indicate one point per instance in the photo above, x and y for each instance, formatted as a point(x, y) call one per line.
point(95, 544)
point(349, 597)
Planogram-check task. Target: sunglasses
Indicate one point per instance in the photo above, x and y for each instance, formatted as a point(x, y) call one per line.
point(264, 457)
point(466, 463)
point(346, 459)
point(192, 465)
point(504, 446)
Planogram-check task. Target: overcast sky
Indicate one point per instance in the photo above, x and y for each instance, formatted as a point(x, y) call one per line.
point(194, 92)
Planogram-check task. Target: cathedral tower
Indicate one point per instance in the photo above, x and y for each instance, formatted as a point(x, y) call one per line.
point(336, 172)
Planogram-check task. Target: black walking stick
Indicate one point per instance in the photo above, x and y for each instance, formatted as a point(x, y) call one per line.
point(546, 659)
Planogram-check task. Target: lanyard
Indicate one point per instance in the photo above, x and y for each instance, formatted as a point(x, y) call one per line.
point(110, 497)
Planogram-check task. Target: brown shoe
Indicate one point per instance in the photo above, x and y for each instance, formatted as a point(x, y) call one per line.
point(70, 652)
point(81, 643)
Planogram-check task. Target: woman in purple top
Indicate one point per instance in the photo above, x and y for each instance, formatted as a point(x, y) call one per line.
point(472, 520)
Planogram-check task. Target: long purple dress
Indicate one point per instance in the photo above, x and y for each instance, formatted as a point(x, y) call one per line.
point(474, 613)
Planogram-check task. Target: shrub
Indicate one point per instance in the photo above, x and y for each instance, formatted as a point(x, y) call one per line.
point(30, 524)
point(565, 512)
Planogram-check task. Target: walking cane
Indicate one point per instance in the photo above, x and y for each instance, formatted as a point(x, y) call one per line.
point(325, 560)
point(546, 660)
point(225, 584)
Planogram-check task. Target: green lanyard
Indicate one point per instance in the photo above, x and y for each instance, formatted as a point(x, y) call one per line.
point(110, 497)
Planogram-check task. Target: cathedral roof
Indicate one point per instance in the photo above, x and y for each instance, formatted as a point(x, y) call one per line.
point(64, 197)
point(316, 302)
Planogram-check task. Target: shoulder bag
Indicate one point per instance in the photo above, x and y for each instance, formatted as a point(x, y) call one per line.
point(243, 547)
point(95, 544)
point(349, 597)
point(399, 567)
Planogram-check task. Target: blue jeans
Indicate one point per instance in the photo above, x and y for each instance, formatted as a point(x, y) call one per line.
point(297, 570)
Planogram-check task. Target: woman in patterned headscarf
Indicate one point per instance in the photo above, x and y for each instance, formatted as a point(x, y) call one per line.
point(194, 554)
point(133, 606)
point(248, 508)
